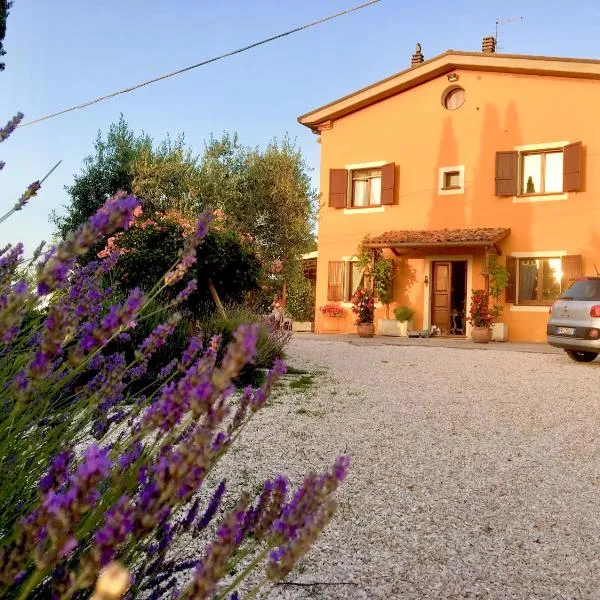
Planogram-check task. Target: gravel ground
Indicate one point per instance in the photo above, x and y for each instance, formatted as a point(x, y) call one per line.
point(474, 475)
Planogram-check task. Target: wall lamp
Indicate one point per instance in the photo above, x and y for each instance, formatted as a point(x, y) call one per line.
point(426, 280)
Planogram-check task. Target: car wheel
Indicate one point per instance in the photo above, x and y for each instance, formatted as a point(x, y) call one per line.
point(580, 356)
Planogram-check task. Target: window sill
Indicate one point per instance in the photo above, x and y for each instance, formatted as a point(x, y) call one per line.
point(451, 191)
point(533, 308)
point(539, 198)
point(357, 210)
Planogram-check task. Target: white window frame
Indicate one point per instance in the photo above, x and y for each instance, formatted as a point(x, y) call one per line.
point(461, 179)
point(549, 146)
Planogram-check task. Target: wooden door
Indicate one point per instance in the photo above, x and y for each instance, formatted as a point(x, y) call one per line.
point(440, 295)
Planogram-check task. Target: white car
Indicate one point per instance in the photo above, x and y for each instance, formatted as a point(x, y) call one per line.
point(574, 323)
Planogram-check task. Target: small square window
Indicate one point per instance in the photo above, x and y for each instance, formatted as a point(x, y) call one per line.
point(451, 180)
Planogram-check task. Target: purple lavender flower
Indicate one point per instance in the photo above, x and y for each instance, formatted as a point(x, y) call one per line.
point(186, 292)
point(117, 213)
point(10, 126)
point(213, 564)
point(97, 335)
point(167, 369)
point(12, 311)
point(261, 395)
point(118, 525)
point(212, 508)
point(241, 351)
point(57, 473)
point(157, 338)
point(188, 255)
point(30, 192)
point(130, 456)
point(190, 353)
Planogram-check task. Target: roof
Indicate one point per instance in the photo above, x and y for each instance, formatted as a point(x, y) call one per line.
point(447, 62)
point(486, 236)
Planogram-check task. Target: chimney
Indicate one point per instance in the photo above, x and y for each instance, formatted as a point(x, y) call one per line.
point(488, 46)
point(417, 58)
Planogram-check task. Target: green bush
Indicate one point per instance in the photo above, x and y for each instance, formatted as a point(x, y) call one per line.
point(271, 341)
point(300, 304)
point(404, 313)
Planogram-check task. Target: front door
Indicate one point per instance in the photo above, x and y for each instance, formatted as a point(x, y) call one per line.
point(440, 295)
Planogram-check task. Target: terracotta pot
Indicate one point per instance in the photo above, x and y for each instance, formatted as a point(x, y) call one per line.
point(365, 329)
point(481, 335)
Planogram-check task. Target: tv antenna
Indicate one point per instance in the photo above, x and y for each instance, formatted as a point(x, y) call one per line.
point(501, 22)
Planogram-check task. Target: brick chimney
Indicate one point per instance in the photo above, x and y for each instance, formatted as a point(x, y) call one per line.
point(488, 45)
point(417, 58)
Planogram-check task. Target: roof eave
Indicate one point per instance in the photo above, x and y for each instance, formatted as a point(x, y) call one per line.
point(445, 63)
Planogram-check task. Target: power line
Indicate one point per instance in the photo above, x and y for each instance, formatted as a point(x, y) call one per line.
point(201, 64)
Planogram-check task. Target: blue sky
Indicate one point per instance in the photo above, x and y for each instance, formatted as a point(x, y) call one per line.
point(63, 53)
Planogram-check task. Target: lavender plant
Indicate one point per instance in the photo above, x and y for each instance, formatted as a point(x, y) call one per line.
point(95, 469)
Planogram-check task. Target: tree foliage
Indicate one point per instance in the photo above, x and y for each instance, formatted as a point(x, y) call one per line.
point(4, 9)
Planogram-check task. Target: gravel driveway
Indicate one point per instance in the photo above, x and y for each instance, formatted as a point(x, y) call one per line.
point(475, 474)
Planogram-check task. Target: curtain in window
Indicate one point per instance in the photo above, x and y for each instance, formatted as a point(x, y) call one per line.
point(357, 276)
point(360, 197)
point(376, 190)
point(528, 274)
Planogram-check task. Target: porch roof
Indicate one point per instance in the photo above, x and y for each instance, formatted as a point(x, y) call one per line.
point(440, 238)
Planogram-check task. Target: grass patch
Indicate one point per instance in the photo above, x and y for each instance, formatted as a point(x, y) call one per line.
point(302, 383)
point(294, 371)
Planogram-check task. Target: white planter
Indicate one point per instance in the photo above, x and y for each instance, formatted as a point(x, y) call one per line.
point(302, 326)
point(393, 327)
point(499, 332)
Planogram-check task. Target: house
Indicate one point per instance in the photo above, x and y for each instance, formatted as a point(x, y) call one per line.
point(458, 158)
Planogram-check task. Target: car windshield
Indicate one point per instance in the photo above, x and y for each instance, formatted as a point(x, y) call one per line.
point(584, 289)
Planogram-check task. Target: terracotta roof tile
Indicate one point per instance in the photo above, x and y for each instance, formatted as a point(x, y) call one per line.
point(483, 236)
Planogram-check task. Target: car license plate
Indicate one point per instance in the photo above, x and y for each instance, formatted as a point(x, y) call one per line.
point(565, 330)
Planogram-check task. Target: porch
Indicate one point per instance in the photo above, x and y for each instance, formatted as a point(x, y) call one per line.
point(453, 263)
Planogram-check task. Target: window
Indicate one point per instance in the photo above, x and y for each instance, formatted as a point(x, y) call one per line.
point(366, 188)
point(539, 280)
point(451, 180)
point(344, 279)
point(542, 172)
point(453, 98)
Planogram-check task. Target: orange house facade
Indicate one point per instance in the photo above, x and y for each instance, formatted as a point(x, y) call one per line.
point(459, 158)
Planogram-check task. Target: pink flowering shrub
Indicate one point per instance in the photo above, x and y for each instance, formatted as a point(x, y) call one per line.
point(96, 470)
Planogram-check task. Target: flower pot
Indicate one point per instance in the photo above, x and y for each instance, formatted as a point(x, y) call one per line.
point(481, 335)
point(365, 329)
point(500, 332)
point(393, 327)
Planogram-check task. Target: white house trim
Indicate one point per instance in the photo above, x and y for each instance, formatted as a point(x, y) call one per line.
point(545, 146)
point(366, 165)
point(540, 254)
point(529, 309)
point(362, 211)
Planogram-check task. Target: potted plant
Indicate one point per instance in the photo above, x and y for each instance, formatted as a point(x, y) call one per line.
point(363, 306)
point(480, 317)
point(333, 311)
point(380, 271)
point(498, 281)
point(404, 315)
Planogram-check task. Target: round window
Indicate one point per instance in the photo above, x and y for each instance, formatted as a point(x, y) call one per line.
point(453, 98)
